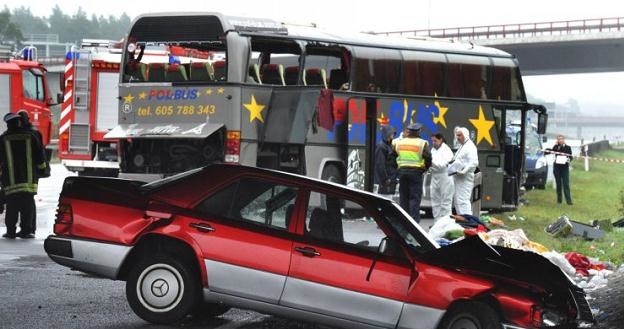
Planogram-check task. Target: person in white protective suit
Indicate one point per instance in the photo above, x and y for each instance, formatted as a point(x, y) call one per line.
point(442, 186)
point(466, 160)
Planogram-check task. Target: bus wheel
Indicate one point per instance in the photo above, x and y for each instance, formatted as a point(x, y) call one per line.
point(332, 173)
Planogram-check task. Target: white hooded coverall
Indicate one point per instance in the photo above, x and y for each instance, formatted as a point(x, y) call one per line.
point(467, 156)
point(442, 187)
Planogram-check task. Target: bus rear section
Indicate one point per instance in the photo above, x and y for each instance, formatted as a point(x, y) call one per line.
point(89, 108)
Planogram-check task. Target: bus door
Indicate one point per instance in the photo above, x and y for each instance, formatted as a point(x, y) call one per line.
point(361, 138)
point(514, 160)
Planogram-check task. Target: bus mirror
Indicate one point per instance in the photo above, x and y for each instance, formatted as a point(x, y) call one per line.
point(542, 120)
point(544, 139)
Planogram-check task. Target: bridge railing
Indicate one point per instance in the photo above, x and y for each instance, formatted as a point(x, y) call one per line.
point(523, 30)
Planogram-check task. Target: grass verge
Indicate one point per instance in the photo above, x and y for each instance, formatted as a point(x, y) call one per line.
point(595, 194)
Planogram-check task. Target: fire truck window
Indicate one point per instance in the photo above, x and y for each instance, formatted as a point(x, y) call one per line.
point(32, 86)
point(423, 73)
point(377, 70)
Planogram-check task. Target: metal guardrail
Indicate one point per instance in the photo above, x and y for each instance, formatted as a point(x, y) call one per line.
point(39, 37)
point(571, 27)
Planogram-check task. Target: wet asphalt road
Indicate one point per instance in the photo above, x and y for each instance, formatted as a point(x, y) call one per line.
point(36, 293)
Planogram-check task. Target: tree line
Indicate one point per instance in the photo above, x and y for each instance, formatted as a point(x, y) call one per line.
point(16, 25)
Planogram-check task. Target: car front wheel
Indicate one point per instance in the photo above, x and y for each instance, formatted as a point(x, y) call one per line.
point(162, 289)
point(471, 315)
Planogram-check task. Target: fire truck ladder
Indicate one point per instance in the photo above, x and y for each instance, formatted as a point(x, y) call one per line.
point(79, 132)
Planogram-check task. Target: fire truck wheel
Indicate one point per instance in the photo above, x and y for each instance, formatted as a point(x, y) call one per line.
point(162, 289)
point(471, 315)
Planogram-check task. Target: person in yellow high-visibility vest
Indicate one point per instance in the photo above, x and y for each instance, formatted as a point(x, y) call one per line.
point(414, 158)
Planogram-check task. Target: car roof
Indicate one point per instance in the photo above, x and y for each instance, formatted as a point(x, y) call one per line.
point(230, 170)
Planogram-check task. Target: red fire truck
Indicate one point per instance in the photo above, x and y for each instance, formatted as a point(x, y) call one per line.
point(24, 86)
point(89, 108)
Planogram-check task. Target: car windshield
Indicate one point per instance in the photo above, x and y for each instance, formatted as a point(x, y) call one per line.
point(407, 228)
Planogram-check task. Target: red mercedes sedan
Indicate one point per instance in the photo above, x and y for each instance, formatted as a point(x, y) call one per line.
point(233, 236)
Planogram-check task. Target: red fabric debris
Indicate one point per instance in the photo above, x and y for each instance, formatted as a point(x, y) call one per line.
point(325, 109)
point(582, 264)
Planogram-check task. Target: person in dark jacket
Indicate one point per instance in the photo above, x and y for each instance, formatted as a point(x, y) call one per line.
point(20, 159)
point(27, 126)
point(385, 162)
point(561, 168)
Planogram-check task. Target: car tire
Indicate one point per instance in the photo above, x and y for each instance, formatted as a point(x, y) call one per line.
point(162, 289)
point(471, 315)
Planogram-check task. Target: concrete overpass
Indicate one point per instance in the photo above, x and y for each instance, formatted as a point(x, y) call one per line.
point(578, 46)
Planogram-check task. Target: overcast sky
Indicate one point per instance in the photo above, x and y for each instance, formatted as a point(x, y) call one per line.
point(387, 15)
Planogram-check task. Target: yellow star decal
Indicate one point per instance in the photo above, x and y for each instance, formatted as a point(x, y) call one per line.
point(128, 98)
point(142, 95)
point(483, 127)
point(441, 112)
point(209, 91)
point(255, 110)
point(220, 91)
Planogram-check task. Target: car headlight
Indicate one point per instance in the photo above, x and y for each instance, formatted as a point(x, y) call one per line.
point(546, 318)
point(541, 162)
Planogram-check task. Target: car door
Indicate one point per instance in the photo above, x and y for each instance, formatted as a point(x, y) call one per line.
point(243, 232)
point(330, 271)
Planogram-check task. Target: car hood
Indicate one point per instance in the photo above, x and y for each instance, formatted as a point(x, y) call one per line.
point(474, 255)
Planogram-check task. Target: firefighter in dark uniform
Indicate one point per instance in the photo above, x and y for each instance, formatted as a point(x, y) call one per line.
point(21, 158)
point(414, 158)
point(26, 125)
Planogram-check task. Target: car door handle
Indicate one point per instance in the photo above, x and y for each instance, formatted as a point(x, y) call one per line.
point(202, 227)
point(307, 251)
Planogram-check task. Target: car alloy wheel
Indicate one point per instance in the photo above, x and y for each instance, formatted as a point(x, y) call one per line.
point(160, 288)
point(163, 289)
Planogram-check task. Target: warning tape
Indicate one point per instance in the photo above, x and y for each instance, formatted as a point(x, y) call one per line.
point(547, 151)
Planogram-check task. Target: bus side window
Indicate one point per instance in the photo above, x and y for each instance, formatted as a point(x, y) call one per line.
point(505, 85)
point(278, 61)
point(377, 70)
point(333, 60)
point(468, 76)
point(423, 73)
